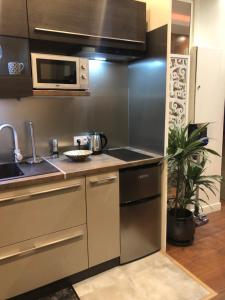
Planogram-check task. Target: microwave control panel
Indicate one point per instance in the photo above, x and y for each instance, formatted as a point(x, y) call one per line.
point(84, 73)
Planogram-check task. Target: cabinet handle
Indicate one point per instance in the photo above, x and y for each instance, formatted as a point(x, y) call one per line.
point(41, 246)
point(95, 181)
point(27, 197)
point(47, 30)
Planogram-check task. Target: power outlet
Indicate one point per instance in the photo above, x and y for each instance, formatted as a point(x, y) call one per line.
point(83, 140)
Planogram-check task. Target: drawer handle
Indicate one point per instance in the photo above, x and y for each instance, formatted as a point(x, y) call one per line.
point(41, 246)
point(87, 35)
point(27, 197)
point(95, 181)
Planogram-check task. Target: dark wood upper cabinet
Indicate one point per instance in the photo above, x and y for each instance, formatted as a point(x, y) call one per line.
point(15, 54)
point(13, 18)
point(89, 22)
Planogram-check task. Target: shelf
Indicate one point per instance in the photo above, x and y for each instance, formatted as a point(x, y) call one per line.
point(64, 93)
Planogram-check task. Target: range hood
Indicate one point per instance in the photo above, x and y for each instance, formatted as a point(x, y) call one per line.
point(110, 54)
point(91, 52)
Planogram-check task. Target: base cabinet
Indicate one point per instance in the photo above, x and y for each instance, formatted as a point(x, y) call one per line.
point(42, 209)
point(103, 217)
point(51, 231)
point(37, 262)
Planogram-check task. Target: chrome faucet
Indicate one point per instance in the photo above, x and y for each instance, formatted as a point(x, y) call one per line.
point(17, 154)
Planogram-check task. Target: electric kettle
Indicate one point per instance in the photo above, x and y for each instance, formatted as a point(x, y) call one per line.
point(98, 141)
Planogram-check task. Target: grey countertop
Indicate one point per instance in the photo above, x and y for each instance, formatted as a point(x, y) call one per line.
point(99, 163)
point(67, 169)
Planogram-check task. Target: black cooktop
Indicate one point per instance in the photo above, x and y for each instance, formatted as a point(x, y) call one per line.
point(126, 154)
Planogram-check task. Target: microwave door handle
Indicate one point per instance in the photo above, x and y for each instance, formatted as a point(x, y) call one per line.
point(76, 77)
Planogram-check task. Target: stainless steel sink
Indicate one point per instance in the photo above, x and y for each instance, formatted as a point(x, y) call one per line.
point(9, 171)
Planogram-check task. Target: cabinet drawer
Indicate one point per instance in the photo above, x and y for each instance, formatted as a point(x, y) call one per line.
point(103, 217)
point(31, 212)
point(37, 262)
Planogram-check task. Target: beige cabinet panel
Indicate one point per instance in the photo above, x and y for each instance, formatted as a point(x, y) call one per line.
point(42, 209)
point(103, 217)
point(205, 82)
point(37, 262)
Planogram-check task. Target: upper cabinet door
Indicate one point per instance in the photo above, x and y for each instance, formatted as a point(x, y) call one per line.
point(89, 22)
point(13, 18)
point(123, 20)
point(15, 70)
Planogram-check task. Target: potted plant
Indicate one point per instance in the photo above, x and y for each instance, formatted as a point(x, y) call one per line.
point(187, 156)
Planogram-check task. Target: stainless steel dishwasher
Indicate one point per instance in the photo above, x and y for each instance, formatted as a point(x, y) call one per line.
point(140, 211)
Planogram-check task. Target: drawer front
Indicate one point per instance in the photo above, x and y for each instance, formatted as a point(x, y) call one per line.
point(103, 217)
point(40, 261)
point(44, 209)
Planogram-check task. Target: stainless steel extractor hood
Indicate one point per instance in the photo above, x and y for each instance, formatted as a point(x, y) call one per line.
point(119, 55)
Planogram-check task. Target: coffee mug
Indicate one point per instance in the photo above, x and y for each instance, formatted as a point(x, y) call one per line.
point(15, 68)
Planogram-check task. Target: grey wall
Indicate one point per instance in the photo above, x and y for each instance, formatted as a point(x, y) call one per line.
point(105, 110)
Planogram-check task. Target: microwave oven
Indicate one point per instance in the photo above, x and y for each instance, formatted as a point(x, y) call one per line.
point(59, 72)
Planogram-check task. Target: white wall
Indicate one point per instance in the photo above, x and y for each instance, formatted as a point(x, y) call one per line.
point(209, 23)
point(209, 32)
point(158, 13)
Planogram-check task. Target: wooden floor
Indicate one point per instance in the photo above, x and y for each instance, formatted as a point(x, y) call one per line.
point(206, 257)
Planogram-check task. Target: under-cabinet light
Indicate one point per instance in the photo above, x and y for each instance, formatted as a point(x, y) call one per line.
point(100, 58)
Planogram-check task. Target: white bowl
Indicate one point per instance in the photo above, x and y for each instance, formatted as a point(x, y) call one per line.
point(78, 155)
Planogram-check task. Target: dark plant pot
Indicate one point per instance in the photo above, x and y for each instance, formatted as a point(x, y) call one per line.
point(180, 227)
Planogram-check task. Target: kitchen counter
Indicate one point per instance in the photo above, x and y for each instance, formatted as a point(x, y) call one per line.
point(98, 163)
point(61, 209)
point(68, 169)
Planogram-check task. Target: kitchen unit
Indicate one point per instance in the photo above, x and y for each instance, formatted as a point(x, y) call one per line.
point(69, 230)
point(56, 215)
point(122, 26)
point(66, 225)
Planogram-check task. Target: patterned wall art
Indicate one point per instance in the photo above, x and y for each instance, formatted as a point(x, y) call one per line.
point(179, 86)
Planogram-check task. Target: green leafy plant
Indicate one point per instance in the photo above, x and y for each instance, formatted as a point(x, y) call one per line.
point(187, 157)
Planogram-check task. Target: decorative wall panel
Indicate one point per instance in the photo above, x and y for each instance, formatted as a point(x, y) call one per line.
point(179, 86)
